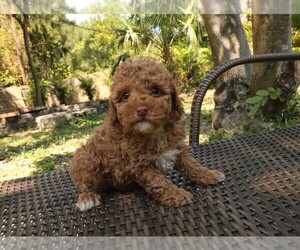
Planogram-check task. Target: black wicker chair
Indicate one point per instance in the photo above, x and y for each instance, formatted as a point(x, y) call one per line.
point(260, 196)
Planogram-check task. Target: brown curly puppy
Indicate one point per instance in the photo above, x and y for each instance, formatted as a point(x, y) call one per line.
point(142, 137)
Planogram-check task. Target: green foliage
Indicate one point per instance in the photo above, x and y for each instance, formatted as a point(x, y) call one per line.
point(87, 84)
point(171, 38)
point(296, 37)
point(44, 87)
point(249, 32)
point(59, 48)
point(296, 49)
point(64, 92)
point(291, 114)
point(296, 21)
point(261, 98)
point(44, 165)
point(190, 66)
point(296, 31)
point(121, 58)
point(49, 46)
point(96, 48)
point(218, 135)
point(168, 30)
point(82, 121)
point(251, 127)
point(9, 68)
point(247, 128)
point(3, 135)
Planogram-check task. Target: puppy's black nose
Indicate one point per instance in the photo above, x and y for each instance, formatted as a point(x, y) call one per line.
point(142, 110)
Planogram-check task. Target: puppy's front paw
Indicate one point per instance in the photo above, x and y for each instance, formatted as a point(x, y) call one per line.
point(212, 177)
point(87, 201)
point(176, 197)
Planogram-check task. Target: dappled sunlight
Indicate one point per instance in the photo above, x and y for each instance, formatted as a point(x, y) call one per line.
point(206, 114)
point(24, 134)
point(9, 171)
point(31, 152)
point(208, 102)
point(31, 162)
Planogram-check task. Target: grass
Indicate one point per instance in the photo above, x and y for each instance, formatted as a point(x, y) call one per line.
point(206, 113)
point(32, 152)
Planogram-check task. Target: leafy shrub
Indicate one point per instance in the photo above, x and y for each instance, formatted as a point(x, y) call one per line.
point(291, 114)
point(249, 32)
point(44, 87)
point(296, 38)
point(190, 66)
point(296, 20)
point(7, 79)
point(261, 98)
point(45, 165)
point(218, 135)
point(86, 120)
point(252, 127)
point(87, 84)
point(63, 91)
point(119, 59)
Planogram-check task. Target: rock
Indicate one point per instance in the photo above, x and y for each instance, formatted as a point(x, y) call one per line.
point(59, 119)
point(52, 117)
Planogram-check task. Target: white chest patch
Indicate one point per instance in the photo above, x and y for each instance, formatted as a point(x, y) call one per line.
point(167, 159)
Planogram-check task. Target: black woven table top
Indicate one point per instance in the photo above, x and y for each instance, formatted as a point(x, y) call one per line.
point(260, 196)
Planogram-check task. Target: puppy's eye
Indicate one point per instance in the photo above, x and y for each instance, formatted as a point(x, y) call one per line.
point(125, 96)
point(155, 91)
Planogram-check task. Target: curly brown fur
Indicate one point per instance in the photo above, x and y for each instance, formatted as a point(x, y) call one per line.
point(142, 137)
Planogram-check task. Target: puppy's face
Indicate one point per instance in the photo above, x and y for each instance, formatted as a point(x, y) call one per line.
point(143, 96)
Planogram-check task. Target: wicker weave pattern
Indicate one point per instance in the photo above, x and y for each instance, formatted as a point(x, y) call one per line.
point(261, 196)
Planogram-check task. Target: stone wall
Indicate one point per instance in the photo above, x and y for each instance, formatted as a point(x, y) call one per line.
point(15, 99)
point(12, 99)
point(47, 118)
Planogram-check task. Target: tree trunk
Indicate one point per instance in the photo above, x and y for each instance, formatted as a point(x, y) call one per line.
point(166, 55)
point(20, 51)
point(272, 33)
point(228, 41)
point(24, 25)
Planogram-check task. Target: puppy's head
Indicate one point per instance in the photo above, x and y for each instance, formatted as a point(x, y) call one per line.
point(143, 96)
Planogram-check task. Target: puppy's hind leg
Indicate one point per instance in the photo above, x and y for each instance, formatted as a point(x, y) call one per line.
point(85, 173)
point(192, 169)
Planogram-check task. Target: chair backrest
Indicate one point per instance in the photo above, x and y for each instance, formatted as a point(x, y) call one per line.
point(215, 73)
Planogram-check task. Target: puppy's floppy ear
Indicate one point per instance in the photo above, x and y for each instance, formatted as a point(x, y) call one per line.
point(177, 108)
point(112, 114)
